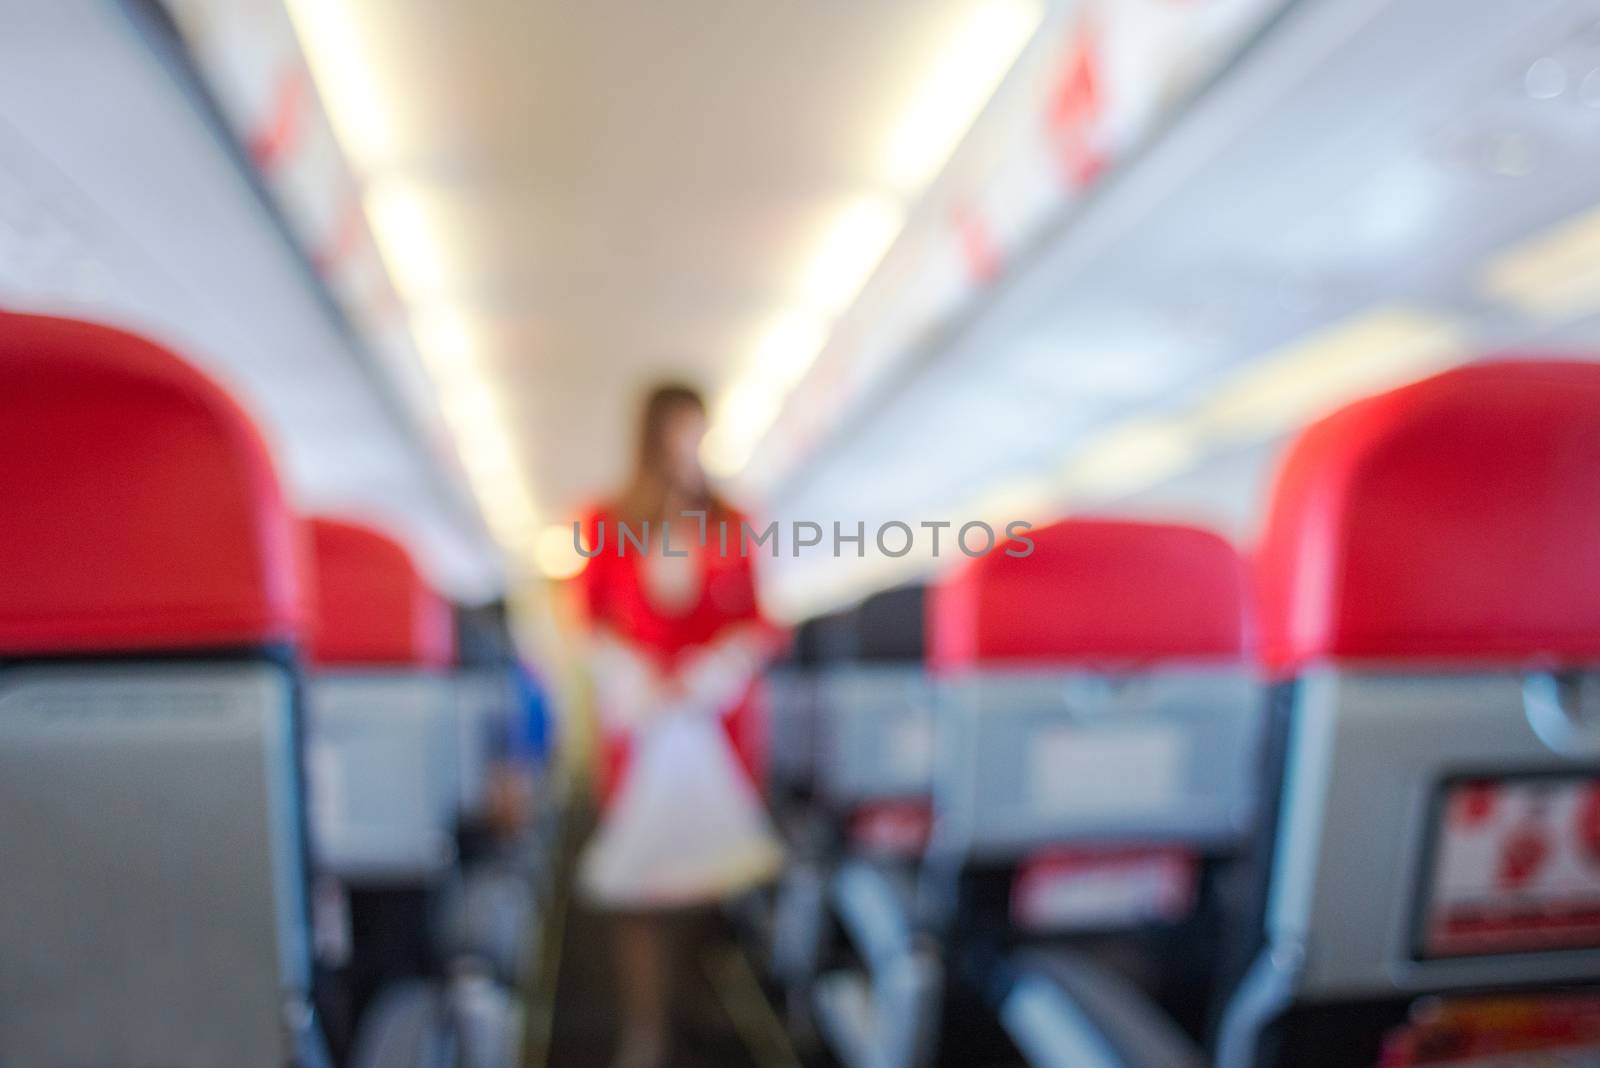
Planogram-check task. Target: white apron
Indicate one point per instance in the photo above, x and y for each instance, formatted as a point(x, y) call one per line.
point(685, 826)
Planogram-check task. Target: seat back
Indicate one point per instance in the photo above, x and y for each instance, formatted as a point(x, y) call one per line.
point(485, 698)
point(482, 719)
point(381, 712)
point(152, 880)
point(1092, 693)
point(791, 704)
point(1430, 582)
point(1029, 759)
point(875, 725)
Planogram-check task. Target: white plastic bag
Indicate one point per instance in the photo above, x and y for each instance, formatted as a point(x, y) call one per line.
point(685, 826)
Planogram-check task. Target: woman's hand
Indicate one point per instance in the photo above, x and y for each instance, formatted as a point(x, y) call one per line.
point(630, 689)
point(673, 690)
point(714, 677)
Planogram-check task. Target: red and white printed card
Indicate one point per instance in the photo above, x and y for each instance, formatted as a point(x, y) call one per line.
point(1516, 868)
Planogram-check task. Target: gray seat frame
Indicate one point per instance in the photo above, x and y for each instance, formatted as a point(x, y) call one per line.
point(152, 880)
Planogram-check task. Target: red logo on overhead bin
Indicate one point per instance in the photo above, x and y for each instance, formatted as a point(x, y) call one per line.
point(344, 237)
point(1075, 108)
point(978, 249)
point(279, 137)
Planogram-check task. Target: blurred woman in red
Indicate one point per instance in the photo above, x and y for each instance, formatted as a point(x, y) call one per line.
point(677, 643)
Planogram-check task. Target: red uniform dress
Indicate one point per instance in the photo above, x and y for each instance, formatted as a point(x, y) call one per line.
point(682, 821)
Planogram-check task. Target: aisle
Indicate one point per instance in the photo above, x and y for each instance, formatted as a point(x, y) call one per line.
point(717, 988)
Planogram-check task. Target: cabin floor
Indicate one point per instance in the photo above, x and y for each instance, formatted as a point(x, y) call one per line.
point(723, 1017)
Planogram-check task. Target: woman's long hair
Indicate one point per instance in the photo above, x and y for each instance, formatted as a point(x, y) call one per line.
point(645, 496)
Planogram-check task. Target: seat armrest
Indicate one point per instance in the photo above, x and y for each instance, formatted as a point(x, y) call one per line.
point(885, 1020)
point(799, 909)
point(1065, 1009)
point(875, 906)
point(408, 1025)
point(887, 1017)
point(310, 1045)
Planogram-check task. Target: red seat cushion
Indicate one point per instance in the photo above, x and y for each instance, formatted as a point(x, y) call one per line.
point(141, 509)
point(1457, 519)
point(1094, 591)
point(372, 605)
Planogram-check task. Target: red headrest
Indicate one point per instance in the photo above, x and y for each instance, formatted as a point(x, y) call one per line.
point(1097, 591)
point(141, 508)
point(1457, 518)
point(372, 606)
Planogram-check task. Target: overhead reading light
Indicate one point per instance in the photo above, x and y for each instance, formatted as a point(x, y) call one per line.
point(1373, 351)
point(1554, 275)
point(953, 87)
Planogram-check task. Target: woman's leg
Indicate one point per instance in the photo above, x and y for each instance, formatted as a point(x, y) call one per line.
point(695, 1006)
point(643, 951)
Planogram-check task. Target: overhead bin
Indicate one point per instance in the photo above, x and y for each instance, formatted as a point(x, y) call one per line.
point(1331, 214)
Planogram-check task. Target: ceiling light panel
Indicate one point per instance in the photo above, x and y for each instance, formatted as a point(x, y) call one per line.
point(950, 89)
point(341, 40)
point(410, 223)
point(555, 554)
point(955, 86)
point(1128, 457)
point(1371, 352)
point(850, 249)
point(1554, 275)
point(417, 224)
point(787, 348)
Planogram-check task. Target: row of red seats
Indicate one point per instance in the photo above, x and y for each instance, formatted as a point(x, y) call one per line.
point(207, 709)
point(1330, 808)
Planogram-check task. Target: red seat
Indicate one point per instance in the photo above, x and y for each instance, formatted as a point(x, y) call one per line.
point(1430, 589)
point(152, 894)
point(382, 708)
point(373, 607)
point(142, 510)
point(1093, 592)
point(1099, 725)
point(1451, 520)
